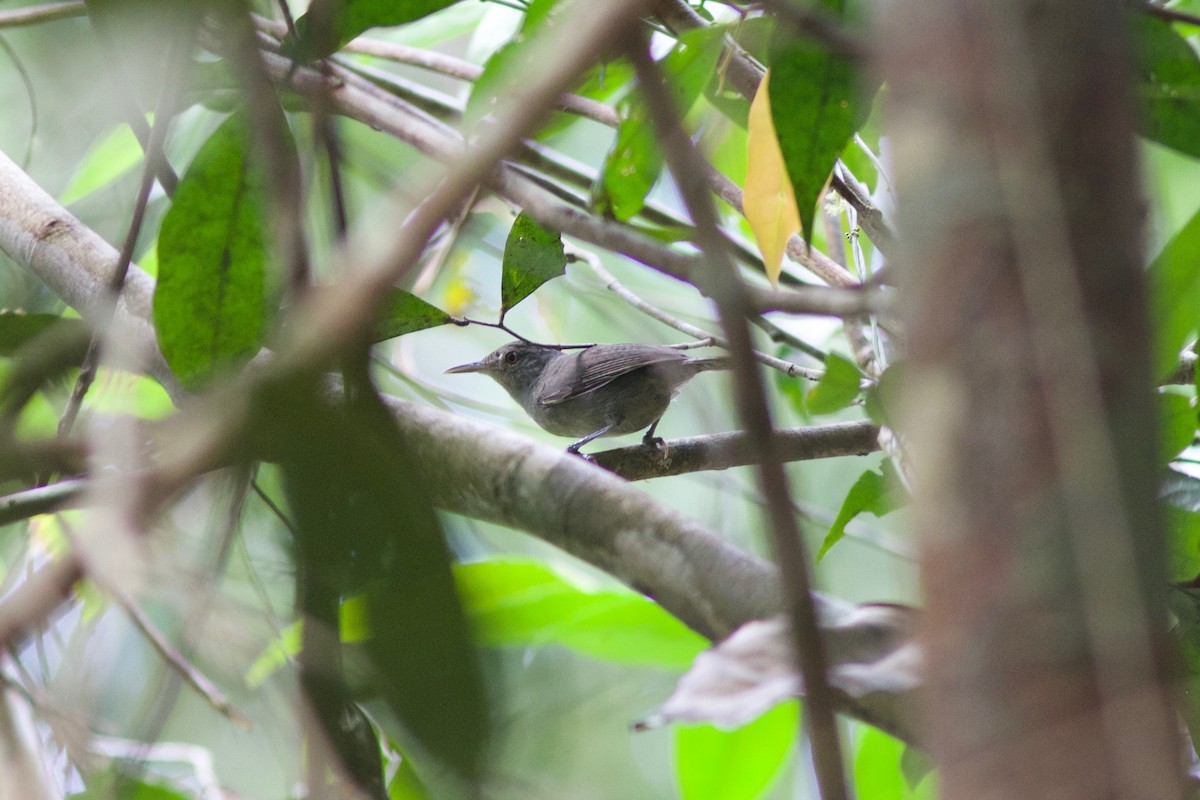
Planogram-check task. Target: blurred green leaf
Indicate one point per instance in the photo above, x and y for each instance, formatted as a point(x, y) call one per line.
point(1183, 530)
point(735, 765)
point(837, 388)
point(18, 328)
point(526, 603)
point(404, 312)
point(631, 167)
point(879, 772)
point(1168, 85)
point(1177, 424)
point(365, 526)
point(1175, 295)
point(511, 59)
point(814, 102)
point(874, 492)
point(1184, 605)
point(210, 301)
point(532, 256)
point(106, 160)
point(635, 161)
point(346, 19)
point(113, 785)
point(881, 399)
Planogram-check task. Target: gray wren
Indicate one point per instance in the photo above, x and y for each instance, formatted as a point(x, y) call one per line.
point(602, 390)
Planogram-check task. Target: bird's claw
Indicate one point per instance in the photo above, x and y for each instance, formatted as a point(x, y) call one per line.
point(655, 443)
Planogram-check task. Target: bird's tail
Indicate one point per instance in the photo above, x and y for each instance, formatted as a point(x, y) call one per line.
point(706, 364)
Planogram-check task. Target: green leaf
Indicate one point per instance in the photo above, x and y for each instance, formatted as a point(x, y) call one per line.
point(1168, 85)
point(210, 301)
point(815, 106)
point(730, 765)
point(1177, 424)
point(526, 603)
point(879, 769)
point(532, 256)
point(631, 167)
point(105, 161)
point(882, 399)
point(342, 20)
point(511, 59)
point(1175, 295)
point(635, 161)
point(1183, 529)
point(404, 312)
point(1184, 604)
point(365, 526)
point(873, 492)
point(837, 388)
point(114, 785)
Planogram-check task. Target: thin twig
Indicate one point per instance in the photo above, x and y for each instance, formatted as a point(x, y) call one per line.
point(734, 303)
point(178, 59)
point(614, 286)
point(47, 12)
point(182, 667)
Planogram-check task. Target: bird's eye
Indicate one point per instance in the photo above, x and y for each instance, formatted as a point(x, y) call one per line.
point(510, 357)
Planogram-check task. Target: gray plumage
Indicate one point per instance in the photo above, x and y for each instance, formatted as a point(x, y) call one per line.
point(602, 390)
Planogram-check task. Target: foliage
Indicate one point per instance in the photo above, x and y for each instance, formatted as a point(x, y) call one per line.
point(310, 567)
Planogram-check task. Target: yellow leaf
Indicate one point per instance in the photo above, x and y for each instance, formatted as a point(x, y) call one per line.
point(768, 199)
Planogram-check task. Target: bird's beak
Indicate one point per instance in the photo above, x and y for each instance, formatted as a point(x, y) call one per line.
point(474, 366)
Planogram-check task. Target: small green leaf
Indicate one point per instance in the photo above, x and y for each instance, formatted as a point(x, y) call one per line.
point(404, 312)
point(880, 769)
point(511, 59)
point(342, 20)
point(873, 492)
point(1182, 527)
point(814, 103)
point(210, 301)
point(532, 256)
point(838, 387)
point(1168, 85)
point(714, 764)
point(1175, 295)
point(881, 400)
point(105, 161)
point(1177, 424)
point(526, 603)
point(115, 785)
point(1184, 605)
point(633, 165)
point(364, 526)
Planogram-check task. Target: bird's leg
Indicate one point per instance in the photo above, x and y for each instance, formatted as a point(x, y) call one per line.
point(650, 440)
point(575, 447)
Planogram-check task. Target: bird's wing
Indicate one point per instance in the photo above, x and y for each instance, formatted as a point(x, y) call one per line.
point(598, 366)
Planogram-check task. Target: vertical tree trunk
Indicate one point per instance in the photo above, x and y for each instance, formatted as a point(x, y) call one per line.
point(1029, 409)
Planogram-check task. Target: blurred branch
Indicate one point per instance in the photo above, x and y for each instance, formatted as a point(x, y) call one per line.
point(177, 662)
point(47, 12)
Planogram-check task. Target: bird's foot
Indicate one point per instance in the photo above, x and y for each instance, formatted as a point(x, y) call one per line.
point(655, 443)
